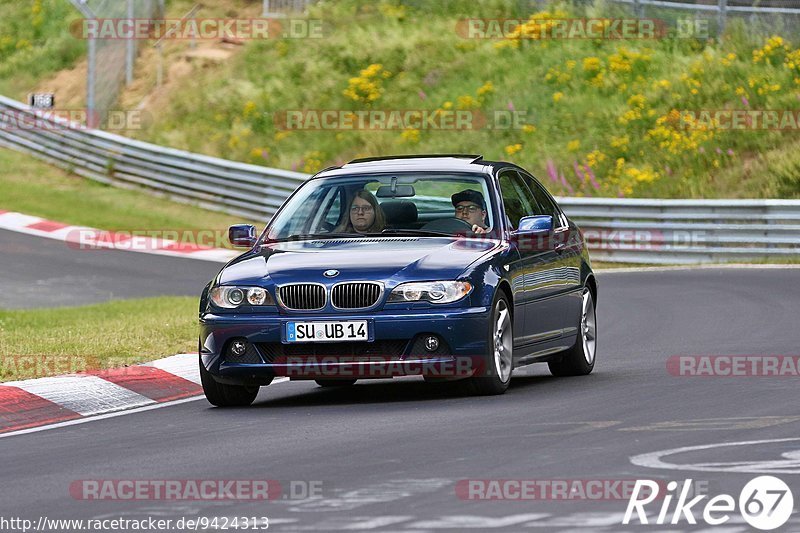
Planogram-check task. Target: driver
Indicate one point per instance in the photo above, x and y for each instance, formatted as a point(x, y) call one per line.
point(471, 208)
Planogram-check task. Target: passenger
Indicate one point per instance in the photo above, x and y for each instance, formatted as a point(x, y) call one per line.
point(366, 215)
point(471, 208)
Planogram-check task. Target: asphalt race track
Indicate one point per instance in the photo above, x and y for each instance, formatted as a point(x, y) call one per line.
point(388, 455)
point(39, 272)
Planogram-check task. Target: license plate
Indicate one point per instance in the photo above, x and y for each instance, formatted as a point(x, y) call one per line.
point(352, 330)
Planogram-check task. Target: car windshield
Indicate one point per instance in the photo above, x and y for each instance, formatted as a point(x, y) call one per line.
point(392, 203)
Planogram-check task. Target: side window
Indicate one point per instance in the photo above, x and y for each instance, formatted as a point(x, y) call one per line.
point(334, 214)
point(516, 197)
point(547, 206)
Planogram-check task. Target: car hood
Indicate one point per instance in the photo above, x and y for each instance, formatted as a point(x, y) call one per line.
point(381, 259)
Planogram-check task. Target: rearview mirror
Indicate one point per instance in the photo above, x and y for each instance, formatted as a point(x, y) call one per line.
point(535, 223)
point(243, 235)
point(400, 191)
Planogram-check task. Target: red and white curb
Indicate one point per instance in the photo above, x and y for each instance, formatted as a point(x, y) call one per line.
point(42, 401)
point(82, 237)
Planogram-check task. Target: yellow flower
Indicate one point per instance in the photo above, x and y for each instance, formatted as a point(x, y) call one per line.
point(280, 135)
point(486, 88)
point(367, 86)
point(528, 128)
point(592, 64)
point(512, 149)
point(740, 91)
point(467, 102)
point(573, 145)
point(558, 96)
point(447, 105)
point(594, 158)
point(410, 136)
point(313, 162)
point(620, 142)
point(249, 109)
point(636, 101)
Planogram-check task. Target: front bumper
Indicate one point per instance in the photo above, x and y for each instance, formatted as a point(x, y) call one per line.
point(396, 346)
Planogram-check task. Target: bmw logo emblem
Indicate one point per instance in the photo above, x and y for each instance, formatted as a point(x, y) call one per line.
point(332, 273)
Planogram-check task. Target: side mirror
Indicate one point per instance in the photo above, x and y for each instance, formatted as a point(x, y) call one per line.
point(535, 223)
point(243, 235)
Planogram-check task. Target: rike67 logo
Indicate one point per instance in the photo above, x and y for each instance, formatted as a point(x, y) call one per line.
point(765, 503)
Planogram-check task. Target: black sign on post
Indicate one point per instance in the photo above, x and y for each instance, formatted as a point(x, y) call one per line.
point(42, 100)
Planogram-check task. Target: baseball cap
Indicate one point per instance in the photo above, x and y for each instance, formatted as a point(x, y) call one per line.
point(468, 195)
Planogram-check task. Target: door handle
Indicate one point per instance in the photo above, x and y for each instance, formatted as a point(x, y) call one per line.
point(560, 248)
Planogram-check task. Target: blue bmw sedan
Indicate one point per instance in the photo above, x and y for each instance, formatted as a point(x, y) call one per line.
point(446, 266)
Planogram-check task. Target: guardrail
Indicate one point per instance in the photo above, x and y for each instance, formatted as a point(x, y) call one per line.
point(211, 182)
point(622, 230)
point(687, 231)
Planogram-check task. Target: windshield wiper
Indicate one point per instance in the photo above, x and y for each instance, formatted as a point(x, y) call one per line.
point(424, 232)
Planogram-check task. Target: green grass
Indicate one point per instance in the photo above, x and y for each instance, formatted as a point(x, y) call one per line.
point(35, 188)
point(40, 342)
point(35, 42)
point(587, 102)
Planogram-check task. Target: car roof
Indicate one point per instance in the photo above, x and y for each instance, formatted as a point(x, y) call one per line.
point(411, 163)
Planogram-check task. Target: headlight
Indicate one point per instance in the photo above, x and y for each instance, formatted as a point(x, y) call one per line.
point(229, 297)
point(437, 292)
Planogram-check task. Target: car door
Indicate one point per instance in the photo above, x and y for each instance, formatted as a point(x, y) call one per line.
point(561, 280)
point(530, 323)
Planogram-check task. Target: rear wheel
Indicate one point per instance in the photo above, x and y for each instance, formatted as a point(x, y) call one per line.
point(579, 360)
point(501, 351)
point(223, 395)
point(335, 382)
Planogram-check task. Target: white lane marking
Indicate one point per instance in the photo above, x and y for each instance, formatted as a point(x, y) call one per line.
point(474, 522)
point(716, 424)
point(376, 522)
point(185, 365)
point(790, 464)
point(725, 266)
point(86, 395)
point(385, 492)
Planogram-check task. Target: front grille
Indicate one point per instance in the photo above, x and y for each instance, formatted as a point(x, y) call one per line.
point(391, 349)
point(356, 295)
point(302, 296)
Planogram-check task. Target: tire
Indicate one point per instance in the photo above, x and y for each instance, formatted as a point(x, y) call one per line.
point(326, 383)
point(500, 344)
point(579, 360)
point(223, 395)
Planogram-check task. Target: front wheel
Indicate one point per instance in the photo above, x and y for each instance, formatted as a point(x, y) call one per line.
point(223, 395)
point(501, 351)
point(579, 360)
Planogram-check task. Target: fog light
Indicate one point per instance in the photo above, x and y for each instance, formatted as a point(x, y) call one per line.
point(238, 348)
point(431, 343)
